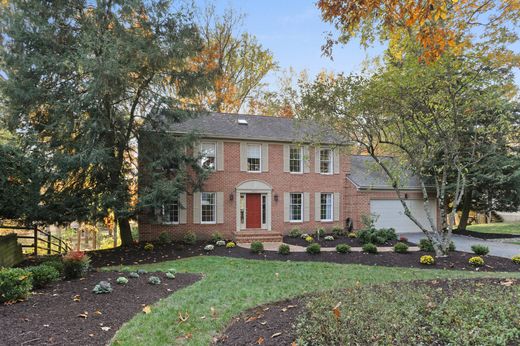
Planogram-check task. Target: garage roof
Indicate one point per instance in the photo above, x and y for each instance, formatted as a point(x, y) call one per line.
point(365, 173)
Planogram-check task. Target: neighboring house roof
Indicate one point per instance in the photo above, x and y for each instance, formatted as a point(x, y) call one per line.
point(366, 174)
point(256, 127)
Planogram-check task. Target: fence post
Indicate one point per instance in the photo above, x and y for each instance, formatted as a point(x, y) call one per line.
point(49, 242)
point(35, 240)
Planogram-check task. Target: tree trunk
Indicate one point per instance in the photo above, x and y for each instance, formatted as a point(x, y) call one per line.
point(466, 207)
point(125, 232)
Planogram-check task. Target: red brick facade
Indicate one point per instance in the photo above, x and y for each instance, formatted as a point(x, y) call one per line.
point(353, 203)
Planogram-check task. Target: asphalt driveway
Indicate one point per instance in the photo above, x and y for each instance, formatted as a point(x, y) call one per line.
point(464, 243)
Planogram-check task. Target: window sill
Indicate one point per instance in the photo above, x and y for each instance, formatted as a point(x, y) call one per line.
point(254, 171)
point(326, 173)
point(296, 172)
point(170, 223)
point(296, 221)
point(326, 221)
point(208, 223)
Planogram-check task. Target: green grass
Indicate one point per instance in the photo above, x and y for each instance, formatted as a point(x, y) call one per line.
point(502, 227)
point(232, 285)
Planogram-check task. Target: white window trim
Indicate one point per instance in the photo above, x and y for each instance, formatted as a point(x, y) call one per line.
point(301, 159)
point(302, 209)
point(331, 161)
point(214, 151)
point(171, 222)
point(214, 210)
point(247, 157)
point(331, 207)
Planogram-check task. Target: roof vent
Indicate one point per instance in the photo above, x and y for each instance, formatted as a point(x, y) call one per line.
point(242, 121)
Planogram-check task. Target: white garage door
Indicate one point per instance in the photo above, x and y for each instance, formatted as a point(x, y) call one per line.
point(390, 213)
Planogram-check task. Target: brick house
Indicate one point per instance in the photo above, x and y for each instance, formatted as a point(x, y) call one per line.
point(268, 178)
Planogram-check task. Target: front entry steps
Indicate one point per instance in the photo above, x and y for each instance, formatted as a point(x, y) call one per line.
point(258, 235)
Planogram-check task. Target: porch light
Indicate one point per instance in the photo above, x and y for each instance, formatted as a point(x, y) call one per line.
point(405, 196)
point(231, 196)
point(276, 197)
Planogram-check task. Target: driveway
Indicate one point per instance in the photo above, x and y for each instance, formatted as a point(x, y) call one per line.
point(464, 243)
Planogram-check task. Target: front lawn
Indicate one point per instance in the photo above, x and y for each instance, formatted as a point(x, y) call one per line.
point(500, 228)
point(196, 314)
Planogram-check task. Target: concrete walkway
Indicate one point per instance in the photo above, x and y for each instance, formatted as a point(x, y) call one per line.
point(464, 243)
point(298, 248)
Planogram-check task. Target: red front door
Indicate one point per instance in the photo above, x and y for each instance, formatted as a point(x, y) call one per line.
point(253, 210)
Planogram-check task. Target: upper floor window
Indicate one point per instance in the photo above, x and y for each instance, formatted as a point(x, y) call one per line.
point(326, 201)
point(254, 157)
point(208, 207)
point(170, 212)
point(296, 207)
point(208, 152)
point(325, 161)
point(295, 159)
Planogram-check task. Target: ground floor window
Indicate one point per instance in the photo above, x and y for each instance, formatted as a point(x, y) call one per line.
point(208, 207)
point(170, 212)
point(296, 207)
point(326, 207)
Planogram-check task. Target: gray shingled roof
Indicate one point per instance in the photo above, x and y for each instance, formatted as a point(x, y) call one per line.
point(259, 127)
point(365, 173)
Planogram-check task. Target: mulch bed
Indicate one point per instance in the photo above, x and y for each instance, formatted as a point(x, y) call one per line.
point(137, 255)
point(354, 242)
point(52, 316)
point(486, 235)
point(275, 323)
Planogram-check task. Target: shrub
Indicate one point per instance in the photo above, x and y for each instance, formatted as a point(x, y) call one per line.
point(352, 235)
point(342, 248)
point(142, 271)
point(313, 249)
point(154, 280)
point(376, 236)
point(75, 264)
point(320, 232)
point(309, 239)
point(216, 237)
point(103, 287)
point(480, 250)
point(329, 238)
point(172, 270)
point(370, 248)
point(338, 231)
point(209, 248)
point(133, 275)
point(426, 245)
point(257, 247)
point(516, 259)
point(43, 275)
point(295, 233)
point(190, 238)
point(230, 245)
point(121, 280)
point(427, 260)
point(15, 284)
point(403, 239)
point(451, 246)
point(476, 261)
point(169, 275)
point(401, 248)
point(165, 238)
point(284, 249)
point(56, 264)
point(304, 235)
point(221, 243)
point(148, 247)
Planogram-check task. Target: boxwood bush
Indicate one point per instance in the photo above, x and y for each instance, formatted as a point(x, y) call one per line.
point(75, 264)
point(376, 236)
point(295, 233)
point(42, 275)
point(370, 248)
point(480, 250)
point(257, 247)
point(401, 248)
point(190, 238)
point(284, 249)
point(314, 248)
point(343, 248)
point(15, 284)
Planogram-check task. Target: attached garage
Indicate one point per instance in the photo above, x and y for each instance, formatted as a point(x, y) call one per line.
point(390, 214)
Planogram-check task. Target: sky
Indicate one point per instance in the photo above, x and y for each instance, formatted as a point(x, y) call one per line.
point(294, 31)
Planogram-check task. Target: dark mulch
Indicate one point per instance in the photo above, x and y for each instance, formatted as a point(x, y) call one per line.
point(51, 316)
point(354, 242)
point(137, 255)
point(486, 235)
point(275, 323)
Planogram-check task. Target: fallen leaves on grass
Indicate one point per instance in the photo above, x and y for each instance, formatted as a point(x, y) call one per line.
point(260, 340)
point(76, 298)
point(336, 311)
point(147, 309)
point(183, 318)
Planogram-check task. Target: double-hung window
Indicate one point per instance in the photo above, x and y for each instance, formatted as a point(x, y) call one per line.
point(326, 207)
point(295, 159)
point(254, 157)
point(208, 207)
point(326, 161)
point(208, 152)
point(170, 212)
point(296, 207)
